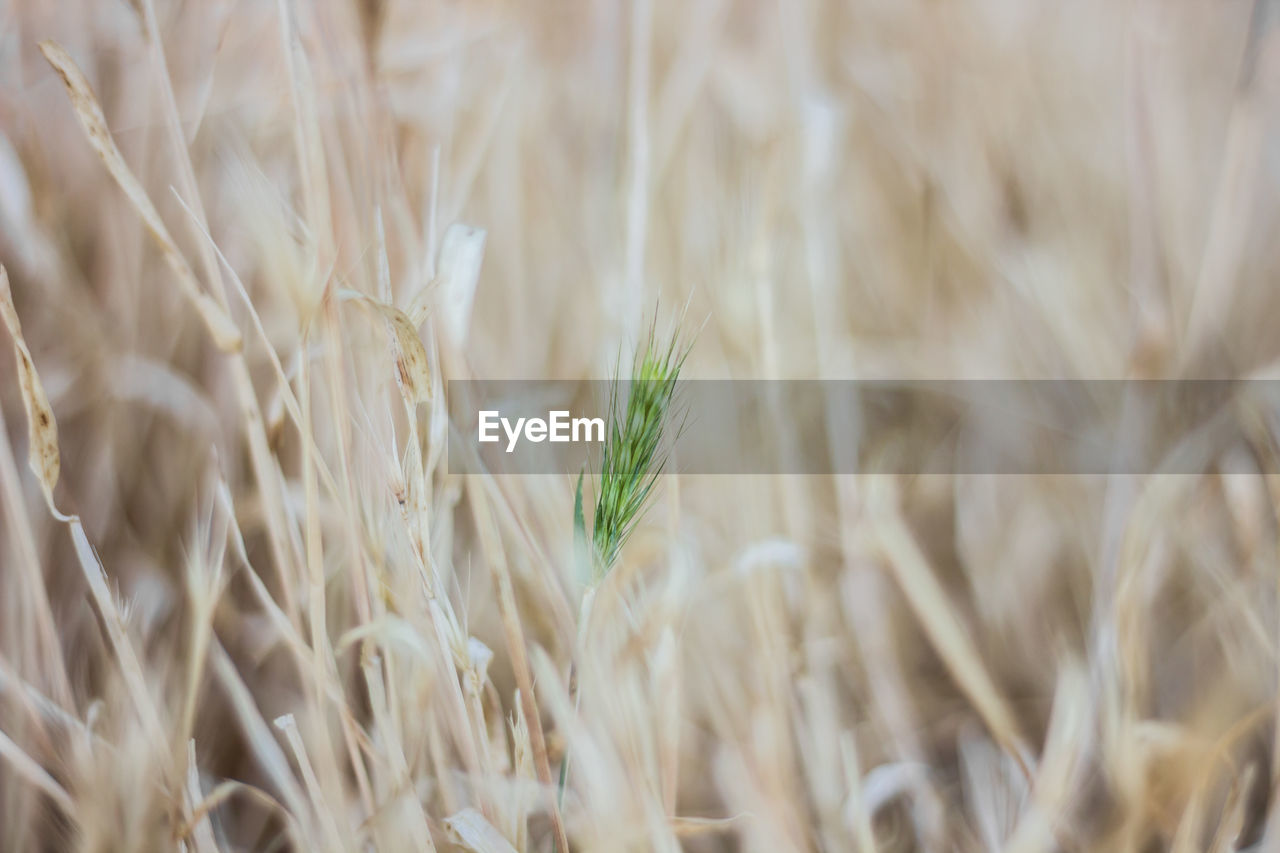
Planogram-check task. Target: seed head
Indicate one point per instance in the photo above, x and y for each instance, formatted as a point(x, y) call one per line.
point(634, 454)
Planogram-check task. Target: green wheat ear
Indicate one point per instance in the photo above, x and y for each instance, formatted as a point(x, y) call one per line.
point(633, 452)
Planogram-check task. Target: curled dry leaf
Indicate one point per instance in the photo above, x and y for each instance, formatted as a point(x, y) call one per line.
point(224, 331)
point(413, 374)
point(45, 461)
point(42, 430)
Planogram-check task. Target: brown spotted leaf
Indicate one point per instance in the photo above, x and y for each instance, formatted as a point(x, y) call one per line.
point(413, 372)
point(42, 430)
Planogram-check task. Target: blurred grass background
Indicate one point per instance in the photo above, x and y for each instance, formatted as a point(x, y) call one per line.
point(338, 641)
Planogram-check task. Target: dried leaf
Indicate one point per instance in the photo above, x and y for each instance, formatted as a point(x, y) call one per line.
point(42, 430)
point(461, 254)
point(469, 830)
point(224, 331)
point(413, 374)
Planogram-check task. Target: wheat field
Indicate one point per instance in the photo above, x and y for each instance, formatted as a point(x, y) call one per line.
point(245, 605)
